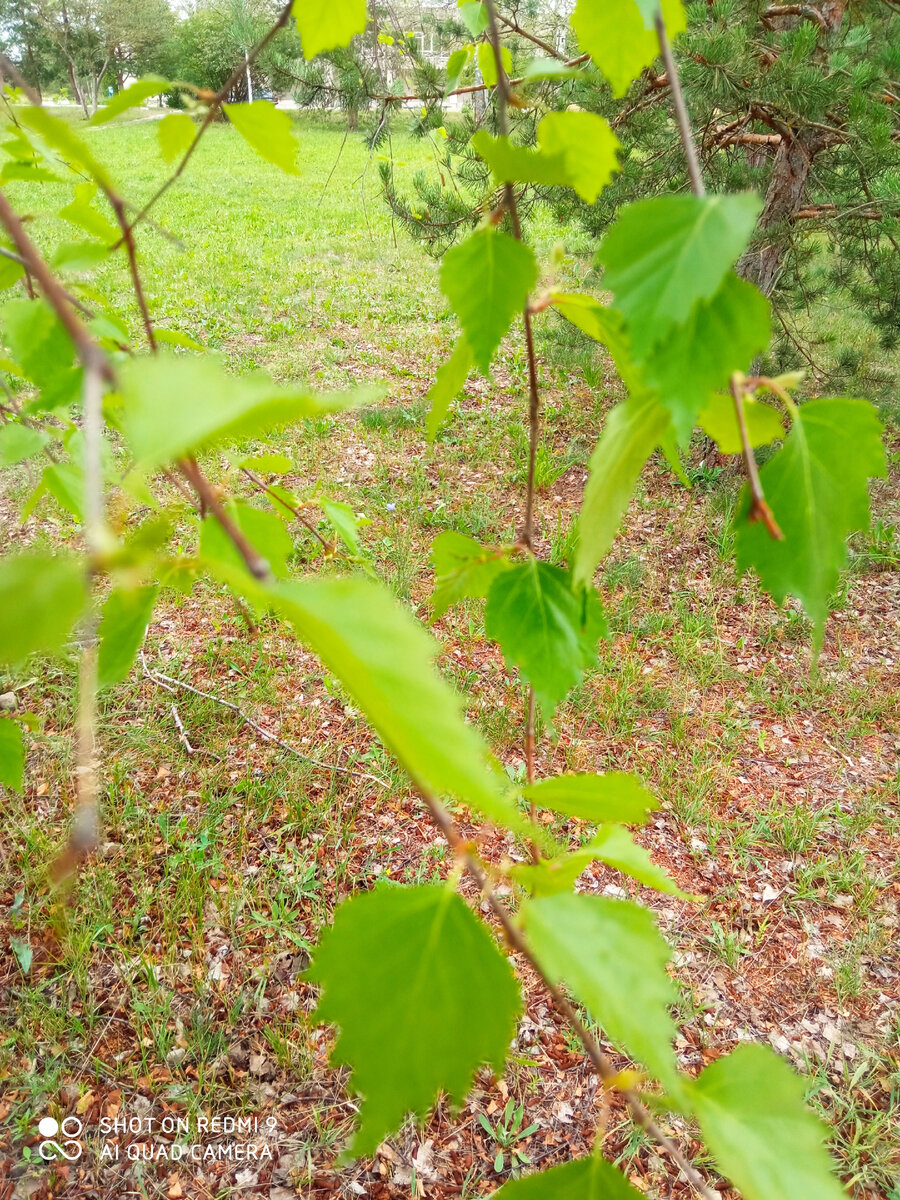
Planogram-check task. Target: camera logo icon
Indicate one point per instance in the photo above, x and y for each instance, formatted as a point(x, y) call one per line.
point(70, 1129)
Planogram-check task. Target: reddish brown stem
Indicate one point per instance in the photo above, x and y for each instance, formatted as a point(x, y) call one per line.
point(256, 564)
point(87, 349)
point(516, 940)
point(759, 509)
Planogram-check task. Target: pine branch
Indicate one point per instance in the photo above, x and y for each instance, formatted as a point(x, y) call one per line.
point(775, 11)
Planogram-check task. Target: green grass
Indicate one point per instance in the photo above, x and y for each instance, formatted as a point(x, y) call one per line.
point(181, 946)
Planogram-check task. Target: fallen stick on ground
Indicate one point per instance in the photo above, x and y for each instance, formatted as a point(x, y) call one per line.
point(170, 684)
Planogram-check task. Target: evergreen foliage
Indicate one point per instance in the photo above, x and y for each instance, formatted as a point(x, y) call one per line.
point(796, 102)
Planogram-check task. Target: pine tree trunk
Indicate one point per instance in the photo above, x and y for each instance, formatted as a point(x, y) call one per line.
point(786, 193)
point(76, 90)
point(785, 196)
point(353, 119)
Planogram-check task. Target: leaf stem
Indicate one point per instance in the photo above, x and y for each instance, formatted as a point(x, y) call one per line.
point(778, 390)
point(681, 113)
point(534, 401)
point(262, 486)
point(759, 508)
point(255, 563)
point(517, 942)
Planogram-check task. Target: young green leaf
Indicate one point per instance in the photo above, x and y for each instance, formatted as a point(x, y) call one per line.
point(12, 755)
point(79, 256)
point(540, 69)
point(345, 522)
point(19, 442)
point(604, 325)
point(663, 255)
point(81, 212)
point(61, 137)
point(41, 598)
point(632, 432)
point(131, 97)
point(447, 1001)
point(174, 337)
point(548, 876)
point(384, 660)
point(475, 17)
point(720, 336)
point(584, 1179)
point(612, 845)
point(447, 384)
point(544, 628)
point(456, 64)
point(615, 846)
point(126, 615)
point(23, 172)
point(613, 957)
point(178, 404)
point(267, 464)
point(175, 134)
point(487, 280)
point(816, 486)
point(718, 420)
point(488, 64)
point(752, 1114)
point(24, 953)
point(37, 341)
point(462, 567)
point(65, 483)
point(613, 32)
point(574, 149)
point(587, 146)
point(615, 796)
point(10, 270)
point(268, 130)
point(328, 24)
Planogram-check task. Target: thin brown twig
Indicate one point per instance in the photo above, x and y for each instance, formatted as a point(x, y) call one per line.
point(681, 112)
point(256, 564)
point(794, 10)
point(759, 508)
point(526, 535)
point(392, 98)
point(291, 508)
point(89, 352)
point(516, 28)
point(10, 68)
point(517, 942)
point(118, 206)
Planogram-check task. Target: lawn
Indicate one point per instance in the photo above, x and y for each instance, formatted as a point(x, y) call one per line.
point(169, 978)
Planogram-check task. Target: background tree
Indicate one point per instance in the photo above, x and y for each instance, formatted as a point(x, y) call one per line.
point(145, 33)
point(218, 34)
point(26, 40)
point(797, 102)
point(85, 42)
